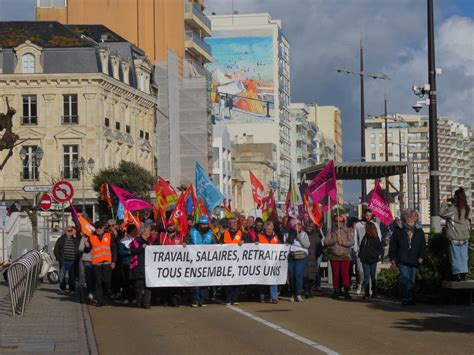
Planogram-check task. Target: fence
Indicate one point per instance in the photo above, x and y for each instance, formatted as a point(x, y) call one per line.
point(22, 280)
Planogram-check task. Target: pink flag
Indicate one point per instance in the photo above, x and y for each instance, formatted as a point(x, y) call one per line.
point(324, 185)
point(130, 201)
point(380, 206)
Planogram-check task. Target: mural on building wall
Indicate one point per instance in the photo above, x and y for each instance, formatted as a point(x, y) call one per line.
point(242, 77)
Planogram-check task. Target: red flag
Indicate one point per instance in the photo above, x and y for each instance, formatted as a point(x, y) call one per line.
point(105, 194)
point(179, 215)
point(324, 185)
point(316, 219)
point(258, 191)
point(379, 205)
point(167, 191)
point(269, 207)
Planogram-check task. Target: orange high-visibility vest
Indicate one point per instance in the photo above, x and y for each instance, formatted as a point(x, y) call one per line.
point(262, 239)
point(101, 251)
point(228, 239)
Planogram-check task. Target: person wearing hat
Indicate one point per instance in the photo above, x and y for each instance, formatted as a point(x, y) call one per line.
point(299, 244)
point(171, 236)
point(201, 234)
point(312, 277)
point(339, 241)
point(103, 251)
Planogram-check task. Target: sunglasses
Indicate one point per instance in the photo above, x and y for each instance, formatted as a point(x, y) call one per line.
point(71, 230)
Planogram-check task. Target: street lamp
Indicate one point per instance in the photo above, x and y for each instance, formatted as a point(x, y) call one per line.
point(36, 156)
point(83, 168)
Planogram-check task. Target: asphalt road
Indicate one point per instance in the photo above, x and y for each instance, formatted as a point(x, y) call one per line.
point(319, 325)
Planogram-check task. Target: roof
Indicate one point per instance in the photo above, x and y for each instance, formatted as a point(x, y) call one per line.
point(359, 170)
point(99, 33)
point(46, 34)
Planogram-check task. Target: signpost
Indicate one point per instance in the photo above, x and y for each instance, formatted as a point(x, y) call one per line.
point(37, 188)
point(63, 191)
point(45, 202)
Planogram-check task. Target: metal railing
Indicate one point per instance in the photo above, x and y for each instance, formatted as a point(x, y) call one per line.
point(23, 280)
point(193, 8)
point(191, 36)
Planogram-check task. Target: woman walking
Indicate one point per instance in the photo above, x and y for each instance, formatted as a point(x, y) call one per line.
point(456, 214)
point(312, 278)
point(137, 267)
point(339, 241)
point(370, 250)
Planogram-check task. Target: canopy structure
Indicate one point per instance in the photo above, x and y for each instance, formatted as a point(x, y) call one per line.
point(367, 171)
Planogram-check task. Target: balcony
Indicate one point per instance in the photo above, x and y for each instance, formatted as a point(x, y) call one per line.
point(195, 18)
point(197, 46)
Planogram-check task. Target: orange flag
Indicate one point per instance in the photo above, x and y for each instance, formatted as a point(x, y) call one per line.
point(167, 191)
point(314, 215)
point(105, 194)
point(258, 191)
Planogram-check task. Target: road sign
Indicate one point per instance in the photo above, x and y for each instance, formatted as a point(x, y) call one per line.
point(63, 191)
point(37, 188)
point(45, 213)
point(3, 215)
point(45, 202)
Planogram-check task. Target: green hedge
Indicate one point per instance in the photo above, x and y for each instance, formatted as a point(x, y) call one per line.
point(435, 269)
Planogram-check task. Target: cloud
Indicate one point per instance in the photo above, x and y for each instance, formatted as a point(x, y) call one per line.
point(325, 34)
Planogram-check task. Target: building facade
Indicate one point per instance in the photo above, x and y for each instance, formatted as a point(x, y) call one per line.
point(172, 33)
point(75, 97)
point(305, 148)
point(408, 139)
point(222, 161)
point(251, 86)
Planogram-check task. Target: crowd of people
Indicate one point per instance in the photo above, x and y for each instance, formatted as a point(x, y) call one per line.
point(110, 263)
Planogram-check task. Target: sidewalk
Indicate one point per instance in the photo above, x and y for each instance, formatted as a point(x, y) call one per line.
point(53, 324)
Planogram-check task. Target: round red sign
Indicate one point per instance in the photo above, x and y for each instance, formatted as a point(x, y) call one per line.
point(45, 202)
point(63, 191)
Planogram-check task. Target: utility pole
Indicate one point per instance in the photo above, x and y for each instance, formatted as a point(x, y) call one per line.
point(433, 125)
point(362, 75)
point(386, 147)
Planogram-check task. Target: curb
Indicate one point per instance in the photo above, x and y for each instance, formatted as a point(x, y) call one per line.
point(88, 327)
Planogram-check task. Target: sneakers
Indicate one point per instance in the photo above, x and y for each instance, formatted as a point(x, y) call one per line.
point(359, 290)
point(194, 305)
point(125, 302)
point(228, 304)
point(202, 305)
point(235, 303)
point(299, 298)
point(292, 299)
point(261, 300)
point(275, 301)
point(90, 296)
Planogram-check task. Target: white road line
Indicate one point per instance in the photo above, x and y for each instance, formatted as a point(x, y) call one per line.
point(285, 331)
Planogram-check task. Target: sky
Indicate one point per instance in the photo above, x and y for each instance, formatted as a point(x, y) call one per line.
point(325, 34)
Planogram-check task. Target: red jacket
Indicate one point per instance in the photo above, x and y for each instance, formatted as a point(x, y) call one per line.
point(166, 239)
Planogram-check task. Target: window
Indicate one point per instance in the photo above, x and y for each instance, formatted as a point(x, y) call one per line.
point(28, 63)
point(141, 134)
point(381, 155)
point(107, 122)
point(127, 129)
point(372, 145)
point(373, 156)
point(117, 126)
point(70, 109)
point(216, 158)
point(71, 152)
point(30, 168)
point(29, 110)
point(372, 136)
point(147, 136)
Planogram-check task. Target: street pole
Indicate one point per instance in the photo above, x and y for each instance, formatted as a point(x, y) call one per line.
point(386, 147)
point(362, 122)
point(83, 193)
point(433, 125)
point(401, 193)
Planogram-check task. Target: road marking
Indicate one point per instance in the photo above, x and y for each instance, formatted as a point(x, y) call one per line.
point(285, 331)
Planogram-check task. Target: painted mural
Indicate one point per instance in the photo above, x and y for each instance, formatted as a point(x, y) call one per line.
point(242, 78)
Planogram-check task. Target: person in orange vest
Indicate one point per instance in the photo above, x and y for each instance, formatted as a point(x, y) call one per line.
point(103, 249)
point(233, 236)
point(268, 236)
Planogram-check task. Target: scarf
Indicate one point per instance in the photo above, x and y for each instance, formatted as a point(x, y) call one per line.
point(410, 232)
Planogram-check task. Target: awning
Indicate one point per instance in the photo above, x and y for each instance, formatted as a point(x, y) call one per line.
point(358, 170)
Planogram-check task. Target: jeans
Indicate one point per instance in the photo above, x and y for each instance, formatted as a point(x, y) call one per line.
point(90, 277)
point(318, 271)
point(340, 267)
point(273, 292)
point(296, 275)
point(142, 294)
point(407, 281)
point(458, 257)
point(359, 272)
point(199, 295)
point(369, 276)
point(103, 282)
point(232, 293)
point(68, 266)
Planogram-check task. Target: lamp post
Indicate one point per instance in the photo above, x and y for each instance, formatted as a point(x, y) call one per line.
point(36, 156)
point(362, 75)
point(83, 168)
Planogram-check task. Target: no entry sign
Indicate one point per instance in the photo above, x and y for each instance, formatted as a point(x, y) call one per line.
point(45, 202)
point(63, 191)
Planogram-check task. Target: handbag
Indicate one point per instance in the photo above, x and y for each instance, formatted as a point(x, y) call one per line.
point(298, 255)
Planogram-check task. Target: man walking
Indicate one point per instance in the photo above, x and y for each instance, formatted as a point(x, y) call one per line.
point(66, 251)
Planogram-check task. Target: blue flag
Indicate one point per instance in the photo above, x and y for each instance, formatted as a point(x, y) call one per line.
point(120, 211)
point(205, 189)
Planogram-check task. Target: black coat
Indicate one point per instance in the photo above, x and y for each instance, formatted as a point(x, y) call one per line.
point(370, 249)
point(400, 249)
point(59, 248)
point(137, 248)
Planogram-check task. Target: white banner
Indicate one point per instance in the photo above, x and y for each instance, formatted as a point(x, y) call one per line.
point(216, 265)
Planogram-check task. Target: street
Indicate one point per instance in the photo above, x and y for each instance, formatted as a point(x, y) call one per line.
point(319, 325)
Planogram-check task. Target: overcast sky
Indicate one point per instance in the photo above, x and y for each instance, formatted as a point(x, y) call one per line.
point(325, 34)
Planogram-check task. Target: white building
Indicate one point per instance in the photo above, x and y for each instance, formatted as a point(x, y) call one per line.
point(222, 160)
point(251, 85)
point(304, 149)
point(408, 139)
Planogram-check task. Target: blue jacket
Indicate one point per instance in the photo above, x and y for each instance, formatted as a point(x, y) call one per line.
point(197, 238)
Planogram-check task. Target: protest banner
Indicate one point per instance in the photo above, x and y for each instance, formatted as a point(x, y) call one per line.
point(216, 265)
point(379, 205)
